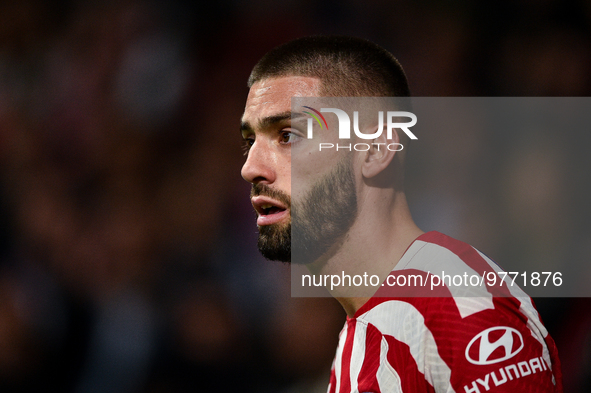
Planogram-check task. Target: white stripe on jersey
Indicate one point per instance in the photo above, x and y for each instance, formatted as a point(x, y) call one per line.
point(358, 354)
point(388, 379)
point(339, 358)
point(468, 299)
point(405, 323)
point(538, 330)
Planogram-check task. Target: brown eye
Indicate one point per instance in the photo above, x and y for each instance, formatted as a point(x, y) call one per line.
point(286, 137)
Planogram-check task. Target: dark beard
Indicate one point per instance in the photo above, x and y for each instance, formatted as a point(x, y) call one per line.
point(320, 220)
point(325, 215)
point(274, 240)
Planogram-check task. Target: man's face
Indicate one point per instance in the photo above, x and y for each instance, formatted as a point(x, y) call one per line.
point(325, 198)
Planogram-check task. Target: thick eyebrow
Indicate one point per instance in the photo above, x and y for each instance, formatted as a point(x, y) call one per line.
point(270, 121)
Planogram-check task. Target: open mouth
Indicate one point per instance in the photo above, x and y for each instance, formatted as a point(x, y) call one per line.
point(269, 210)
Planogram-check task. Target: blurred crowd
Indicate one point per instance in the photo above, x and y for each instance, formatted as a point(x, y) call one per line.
point(128, 258)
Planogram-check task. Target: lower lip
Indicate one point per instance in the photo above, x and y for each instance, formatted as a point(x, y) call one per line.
point(270, 219)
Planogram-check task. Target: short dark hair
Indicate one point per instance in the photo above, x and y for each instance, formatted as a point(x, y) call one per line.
point(346, 66)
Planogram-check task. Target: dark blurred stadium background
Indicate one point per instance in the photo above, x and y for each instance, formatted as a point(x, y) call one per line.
point(127, 242)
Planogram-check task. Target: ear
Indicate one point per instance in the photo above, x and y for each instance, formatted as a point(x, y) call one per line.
point(380, 154)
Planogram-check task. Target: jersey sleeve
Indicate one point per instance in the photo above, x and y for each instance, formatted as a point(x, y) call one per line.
point(500, 349)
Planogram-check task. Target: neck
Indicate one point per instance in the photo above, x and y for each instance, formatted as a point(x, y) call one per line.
point(372, 247)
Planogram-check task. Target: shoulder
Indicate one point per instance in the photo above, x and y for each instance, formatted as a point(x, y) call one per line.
point(494, 349)
point(457, 337)
point(433, 251)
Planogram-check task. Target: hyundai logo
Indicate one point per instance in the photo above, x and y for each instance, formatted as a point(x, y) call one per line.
point(482, 349)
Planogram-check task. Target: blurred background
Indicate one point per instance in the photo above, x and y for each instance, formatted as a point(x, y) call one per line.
point(127, 241)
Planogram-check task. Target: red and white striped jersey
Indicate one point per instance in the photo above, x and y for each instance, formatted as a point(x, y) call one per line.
point(448, 343)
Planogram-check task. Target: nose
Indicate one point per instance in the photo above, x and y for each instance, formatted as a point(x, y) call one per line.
point(259, 164)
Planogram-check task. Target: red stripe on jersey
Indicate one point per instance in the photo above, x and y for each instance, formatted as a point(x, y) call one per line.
point(367, 376)
point(403, 362)
point(347, 351)
point(332, 382)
